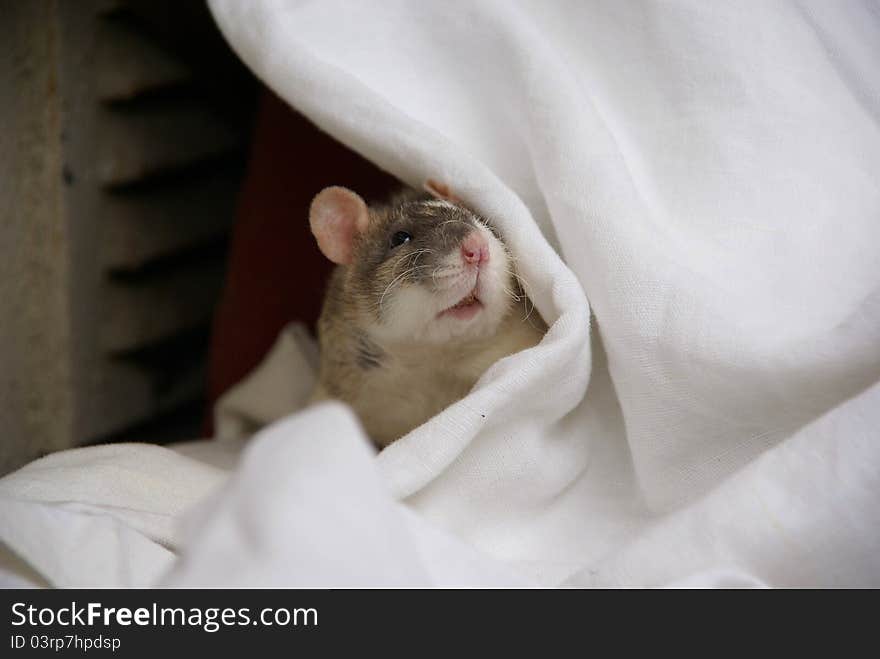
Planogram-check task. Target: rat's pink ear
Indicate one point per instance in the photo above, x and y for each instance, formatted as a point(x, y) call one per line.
point(337, 216)
point(441, 191)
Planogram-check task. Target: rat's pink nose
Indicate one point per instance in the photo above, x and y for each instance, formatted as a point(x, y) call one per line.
point(474, 248)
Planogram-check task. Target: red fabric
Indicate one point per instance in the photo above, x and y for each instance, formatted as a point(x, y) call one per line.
point(275, 272)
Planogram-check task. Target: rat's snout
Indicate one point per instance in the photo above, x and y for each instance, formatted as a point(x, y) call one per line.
point(475, 248)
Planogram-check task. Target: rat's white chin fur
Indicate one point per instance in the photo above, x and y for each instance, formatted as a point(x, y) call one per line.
point(416, 314)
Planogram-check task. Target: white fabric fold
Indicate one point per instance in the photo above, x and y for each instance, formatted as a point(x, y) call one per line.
point(708, 174)
point(283, 520)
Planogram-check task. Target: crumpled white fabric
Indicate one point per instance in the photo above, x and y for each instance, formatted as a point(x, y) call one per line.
point(101, 516)
point(709, 175)
point(691, 193)
point(266, 510)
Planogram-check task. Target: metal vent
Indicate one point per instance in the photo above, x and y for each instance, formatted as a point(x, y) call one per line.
point(122, 125)
point(152, 170)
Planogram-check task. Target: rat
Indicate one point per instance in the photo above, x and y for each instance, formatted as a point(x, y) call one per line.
point(423, 299)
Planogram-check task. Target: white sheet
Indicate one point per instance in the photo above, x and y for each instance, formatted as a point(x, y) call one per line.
point(708, 173)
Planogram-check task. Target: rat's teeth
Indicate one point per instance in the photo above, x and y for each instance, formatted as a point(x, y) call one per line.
point(465, 302)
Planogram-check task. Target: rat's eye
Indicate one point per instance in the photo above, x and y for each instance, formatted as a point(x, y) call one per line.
point(400, 238)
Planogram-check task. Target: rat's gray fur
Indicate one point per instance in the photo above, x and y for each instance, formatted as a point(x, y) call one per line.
point(395, 385)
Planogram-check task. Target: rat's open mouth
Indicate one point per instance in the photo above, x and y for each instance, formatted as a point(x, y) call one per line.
point(465, 308)
point(470, 299)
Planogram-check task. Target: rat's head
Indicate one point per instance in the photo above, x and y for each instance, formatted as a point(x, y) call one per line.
point(419, 270)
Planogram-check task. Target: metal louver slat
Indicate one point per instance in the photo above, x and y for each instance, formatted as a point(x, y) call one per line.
point(141, 227)
point(141, 143)
point(154, 308)
point(129, 64)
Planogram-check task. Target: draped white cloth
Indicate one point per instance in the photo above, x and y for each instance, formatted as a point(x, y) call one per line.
point(692, 192)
